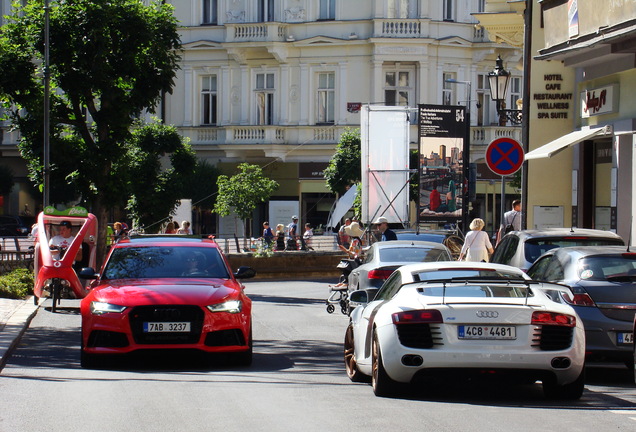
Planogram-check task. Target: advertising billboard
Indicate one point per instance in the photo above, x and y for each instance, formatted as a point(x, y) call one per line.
point(442, 152)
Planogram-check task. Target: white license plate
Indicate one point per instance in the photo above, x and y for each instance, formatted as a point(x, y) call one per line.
point(625, 338)
point(166, 327)
point(487, 332)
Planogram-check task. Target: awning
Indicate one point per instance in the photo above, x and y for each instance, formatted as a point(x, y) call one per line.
point(343, 206)
point(554, 147)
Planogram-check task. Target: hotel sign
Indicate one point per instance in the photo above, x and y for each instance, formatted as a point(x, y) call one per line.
point(599, 101)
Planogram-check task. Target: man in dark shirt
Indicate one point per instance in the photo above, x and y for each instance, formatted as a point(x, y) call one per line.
point(383, 227)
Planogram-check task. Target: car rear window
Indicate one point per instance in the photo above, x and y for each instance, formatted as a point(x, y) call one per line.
point(534, 248)
point(452, 273)
point(164, 262)
point(608, 268)
point(413, 254)
point(478, 291)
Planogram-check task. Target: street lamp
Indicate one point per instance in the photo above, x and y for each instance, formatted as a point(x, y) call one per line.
point(498, 81)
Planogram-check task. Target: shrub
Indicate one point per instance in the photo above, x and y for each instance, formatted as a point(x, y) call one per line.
point(17, 284)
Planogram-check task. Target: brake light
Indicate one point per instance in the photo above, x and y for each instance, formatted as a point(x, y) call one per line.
point(417, 317)
point(553, 318)
point(578, 299)
point(379, 274)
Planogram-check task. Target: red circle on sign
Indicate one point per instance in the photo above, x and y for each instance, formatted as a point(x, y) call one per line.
point(504, 156)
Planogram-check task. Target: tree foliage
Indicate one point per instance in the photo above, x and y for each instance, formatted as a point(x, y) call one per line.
point(345, 168)
point(242, 192)
point(109, 62)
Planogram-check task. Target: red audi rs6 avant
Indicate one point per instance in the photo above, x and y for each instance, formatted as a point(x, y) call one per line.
point(166, 292)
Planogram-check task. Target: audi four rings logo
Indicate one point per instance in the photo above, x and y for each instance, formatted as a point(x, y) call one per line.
point(487, 314)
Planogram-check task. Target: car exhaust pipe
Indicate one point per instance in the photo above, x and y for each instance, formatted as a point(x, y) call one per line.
point(412, 360)
point(561, 363)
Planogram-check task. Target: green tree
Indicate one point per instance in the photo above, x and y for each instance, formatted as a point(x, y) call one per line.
point(110, 61)
point(344, 168)
point(242, 192)
point(153, 189)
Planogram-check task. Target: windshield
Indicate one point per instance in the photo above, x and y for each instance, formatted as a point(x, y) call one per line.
point(412, 254)
point(534, 248)
point(165, 262)
point(476, 291)
point(612, 268)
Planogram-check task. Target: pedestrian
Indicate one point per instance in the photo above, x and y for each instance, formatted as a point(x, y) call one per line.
point(280, 237)
point(383, 227)
point(343, 237)
point(170, 228)
point(354, 253)
point(477, 246)
point(292, 229)
point(307, 237)
point(268, 235)
point(185, 228)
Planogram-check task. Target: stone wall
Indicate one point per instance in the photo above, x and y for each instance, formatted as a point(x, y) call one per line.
point(291, 265)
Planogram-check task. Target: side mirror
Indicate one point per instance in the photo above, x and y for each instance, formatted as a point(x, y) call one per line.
point(88, 273)
point(245, 272)
point(358, 298)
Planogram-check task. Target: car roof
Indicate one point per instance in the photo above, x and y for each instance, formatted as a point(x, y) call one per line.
point(409, 269)
point(404, 243)
point(583, 251)
point(565, 232)
point(166, 240)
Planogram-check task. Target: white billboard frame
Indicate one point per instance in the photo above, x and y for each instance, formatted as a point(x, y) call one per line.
point(384, 135)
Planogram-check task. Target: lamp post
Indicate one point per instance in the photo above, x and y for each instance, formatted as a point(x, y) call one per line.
point(46, 178)
point(499, 81)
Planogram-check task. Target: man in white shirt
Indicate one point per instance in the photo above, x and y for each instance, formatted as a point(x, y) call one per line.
point(62, 241)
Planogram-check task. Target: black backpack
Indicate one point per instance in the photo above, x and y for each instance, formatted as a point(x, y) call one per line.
point(510, 227)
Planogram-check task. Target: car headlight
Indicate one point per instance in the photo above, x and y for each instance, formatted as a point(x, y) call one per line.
point(231, 306)
point(98, 308)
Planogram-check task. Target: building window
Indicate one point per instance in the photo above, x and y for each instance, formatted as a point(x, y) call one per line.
point(449, 10)
point(265, 98)
point(481, 5)
point(208, 100)
point(265, 10)
point(402, 9)
point(327, 9)
point(397, 88)
point(514, 92)
point(448, 95)
point(209, 11)
point(326, 97)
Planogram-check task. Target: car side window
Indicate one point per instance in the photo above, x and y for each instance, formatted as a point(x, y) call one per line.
point(506, 250)
point(538, 269)
point(390, 287)
point(554, 271)
point(368, 256)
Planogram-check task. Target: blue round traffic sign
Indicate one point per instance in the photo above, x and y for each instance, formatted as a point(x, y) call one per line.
point(504, 156)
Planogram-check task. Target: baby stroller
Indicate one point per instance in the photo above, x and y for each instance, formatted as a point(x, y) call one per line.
point(339, 293)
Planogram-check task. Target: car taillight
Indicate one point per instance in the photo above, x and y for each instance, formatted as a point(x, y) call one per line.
point(578, 299)
point(417, 317)
point(553, 318)
point(379, 274)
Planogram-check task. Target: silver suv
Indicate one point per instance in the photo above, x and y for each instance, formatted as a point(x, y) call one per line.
point(521, 248)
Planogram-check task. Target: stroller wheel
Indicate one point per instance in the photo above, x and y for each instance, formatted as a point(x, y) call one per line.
point(344, 310)
point(330, 308)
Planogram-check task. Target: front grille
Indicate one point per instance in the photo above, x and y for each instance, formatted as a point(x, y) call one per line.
point(421, 335)
point(225, 338)
point(552, 338)
point(169, 313)
point(107, 339)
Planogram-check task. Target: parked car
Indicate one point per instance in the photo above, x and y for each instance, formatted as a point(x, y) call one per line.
point(382, 258)
point(14, 226)
point(166, 293)
point(603, 284)
point(458, 319)
point(448, 238)
point(522, 248)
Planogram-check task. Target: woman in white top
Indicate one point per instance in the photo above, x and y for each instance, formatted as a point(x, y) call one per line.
point(477, 246)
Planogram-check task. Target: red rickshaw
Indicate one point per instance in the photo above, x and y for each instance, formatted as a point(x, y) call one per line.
point(56, 276)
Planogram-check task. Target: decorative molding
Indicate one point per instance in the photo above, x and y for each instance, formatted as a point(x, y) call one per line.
point(235, 16)
point(295, 14)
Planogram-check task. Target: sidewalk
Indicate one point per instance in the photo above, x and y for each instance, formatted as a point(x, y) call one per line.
point(15, 316)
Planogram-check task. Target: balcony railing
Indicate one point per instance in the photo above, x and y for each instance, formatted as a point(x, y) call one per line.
point(399, 28)
point(275, 134)
point(256, 32)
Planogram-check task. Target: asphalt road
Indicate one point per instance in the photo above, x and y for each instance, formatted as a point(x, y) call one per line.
point(297, 382)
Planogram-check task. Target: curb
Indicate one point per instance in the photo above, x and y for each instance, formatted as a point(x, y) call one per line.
point(15, 327)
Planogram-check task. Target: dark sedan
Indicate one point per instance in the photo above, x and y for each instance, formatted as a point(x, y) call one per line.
point(603, 284)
